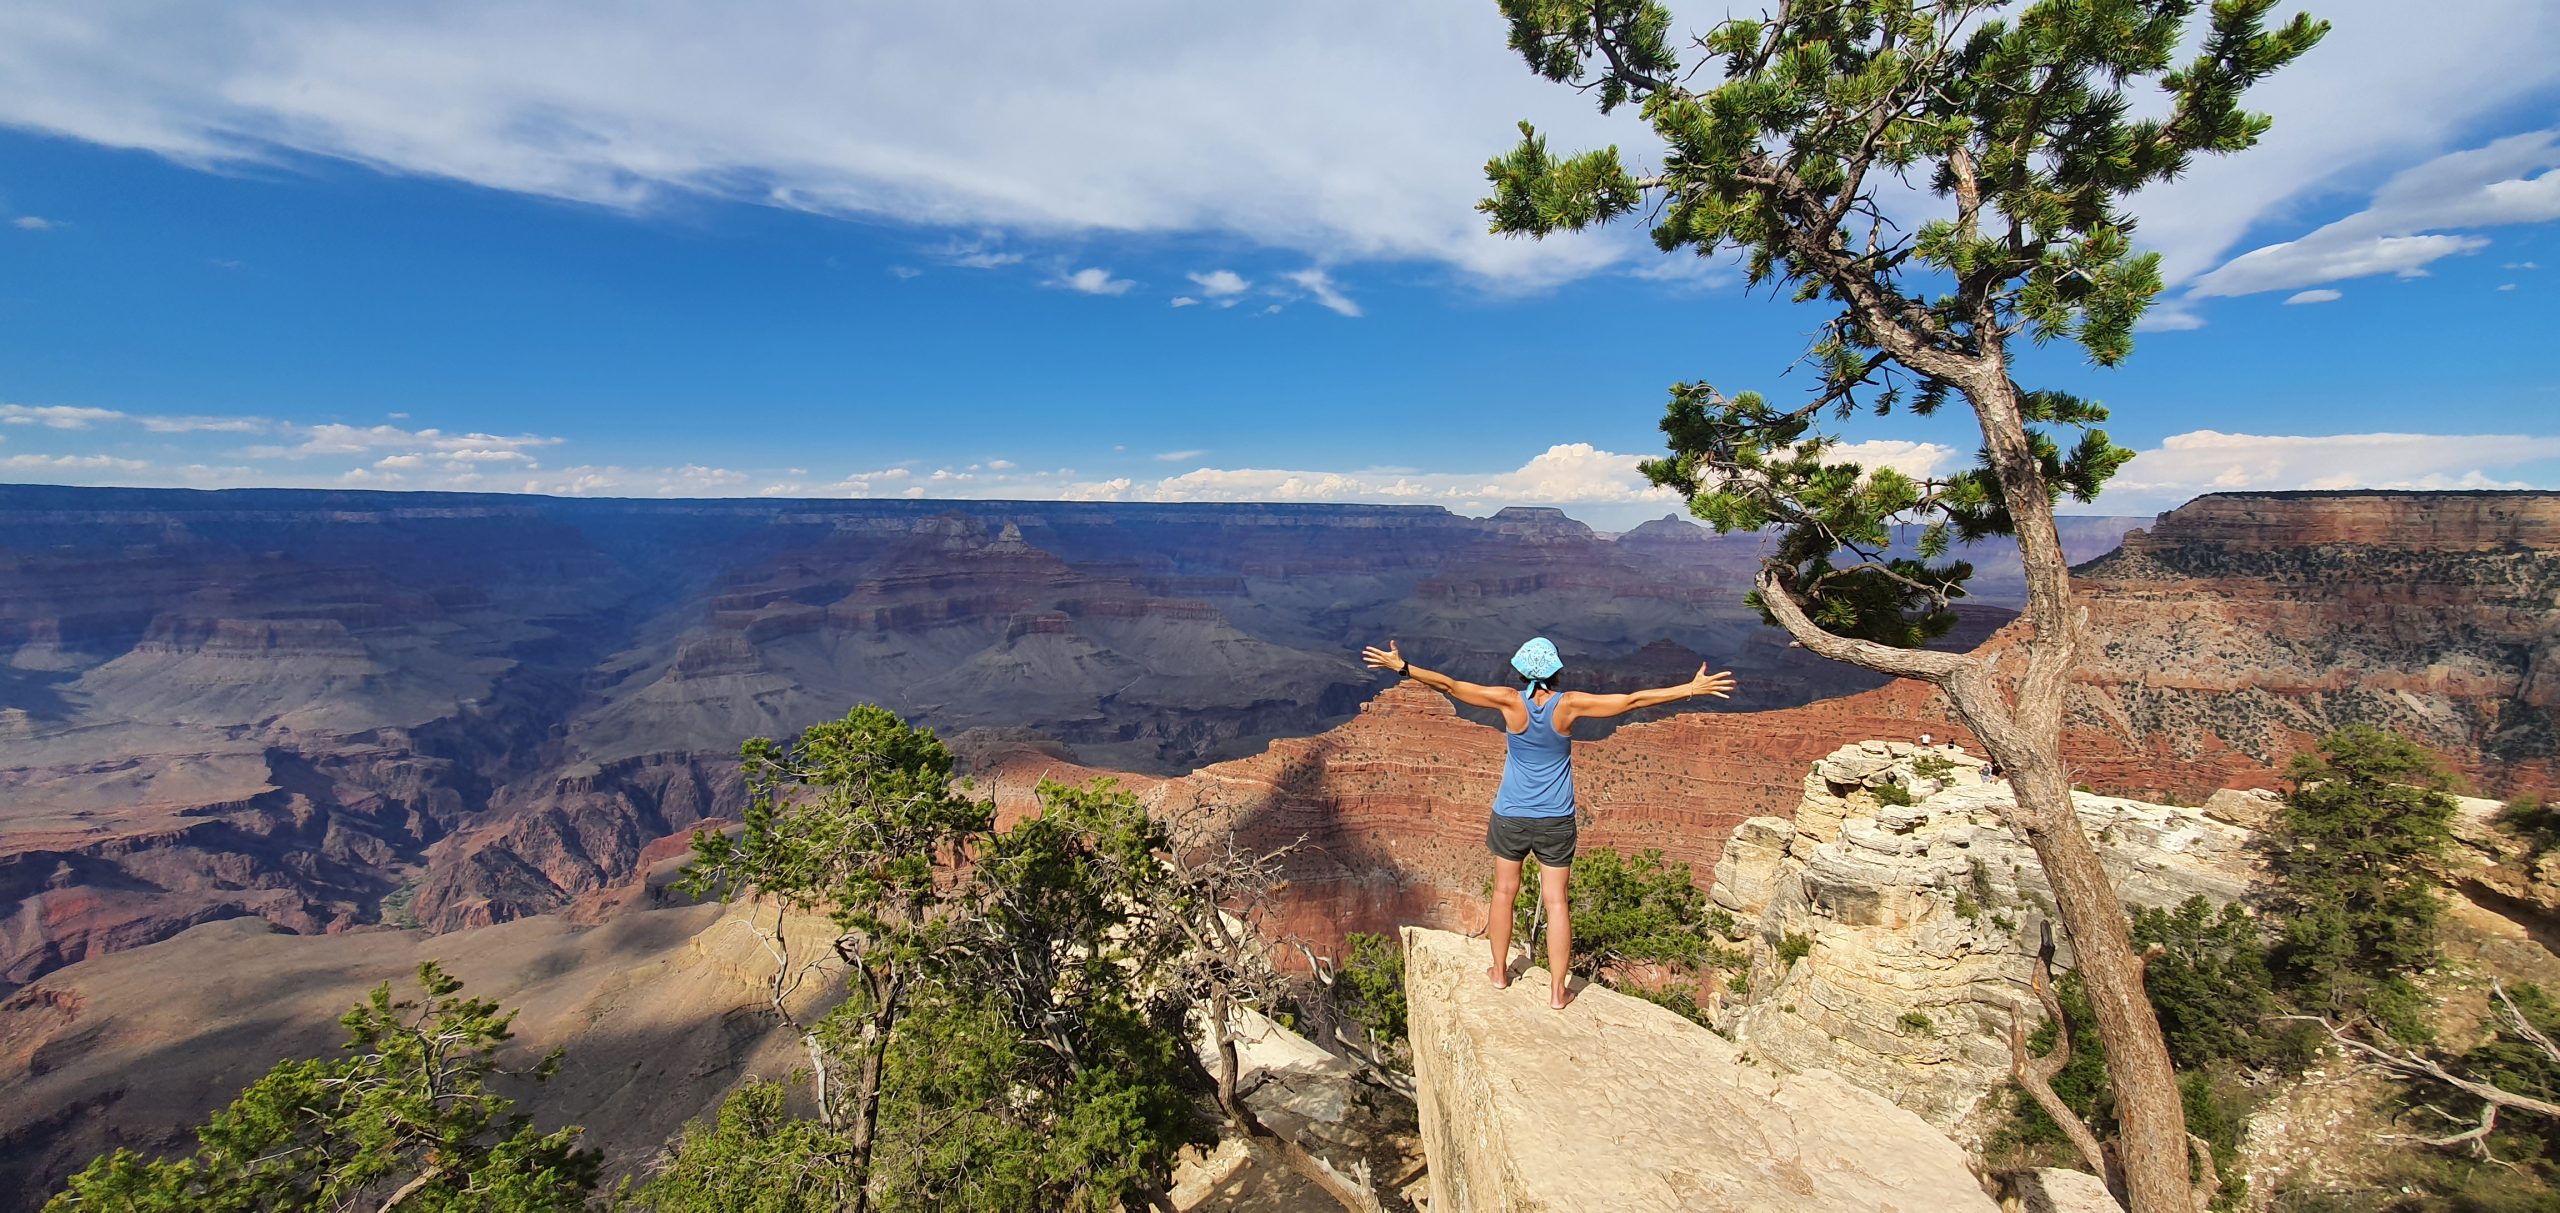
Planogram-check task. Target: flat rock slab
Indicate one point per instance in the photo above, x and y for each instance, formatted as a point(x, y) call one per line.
point(1614, 1103)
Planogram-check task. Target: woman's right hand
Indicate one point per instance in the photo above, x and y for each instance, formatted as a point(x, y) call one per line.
point(1388, 658)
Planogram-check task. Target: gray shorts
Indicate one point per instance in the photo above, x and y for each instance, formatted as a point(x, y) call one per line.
point(1513, 837)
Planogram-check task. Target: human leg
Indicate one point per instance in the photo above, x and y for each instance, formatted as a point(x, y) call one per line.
point(1551, 891)
point(1497, 918)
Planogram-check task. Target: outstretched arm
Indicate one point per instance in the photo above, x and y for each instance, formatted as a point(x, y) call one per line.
point(1583, 705)
point(1475, 695)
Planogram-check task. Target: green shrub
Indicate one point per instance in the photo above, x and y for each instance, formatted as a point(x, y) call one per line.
point(1369, 988)
point(2349, 859)
point(2529, 818)
point(1793, 947)
point(1966, 908)
point(2210, 983)
point(1892, 792)
point(1913, 1023)
point(1640, 909)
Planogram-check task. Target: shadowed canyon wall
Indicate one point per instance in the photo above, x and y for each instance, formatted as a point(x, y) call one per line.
point(332, 709)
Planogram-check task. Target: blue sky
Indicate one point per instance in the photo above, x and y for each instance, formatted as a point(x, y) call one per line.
point(643, 250)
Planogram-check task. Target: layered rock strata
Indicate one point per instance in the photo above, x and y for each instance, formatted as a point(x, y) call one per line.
point(1614, 1103)
point(2250, 624)
point(308, 706)
point(1918, 922)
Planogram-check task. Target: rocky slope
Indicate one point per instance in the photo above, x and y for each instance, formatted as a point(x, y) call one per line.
point(2243, 625)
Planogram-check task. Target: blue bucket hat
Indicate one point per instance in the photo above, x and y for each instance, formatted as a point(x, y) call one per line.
point(1537, 659)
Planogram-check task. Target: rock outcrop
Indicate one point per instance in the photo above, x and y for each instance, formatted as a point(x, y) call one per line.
point(2240, 627)
point(1919, 921)
point(1614, 1103)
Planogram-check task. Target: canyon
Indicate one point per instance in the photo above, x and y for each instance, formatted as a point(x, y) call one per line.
point(345, 714)
point(330, 710)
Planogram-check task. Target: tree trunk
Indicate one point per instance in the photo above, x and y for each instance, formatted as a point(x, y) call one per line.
point(1223, 1029)
point(2027, 740)
point(2152, 1143)
point(867, 1080)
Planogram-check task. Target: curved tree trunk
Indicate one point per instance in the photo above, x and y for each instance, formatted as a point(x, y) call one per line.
point(2152, 1146)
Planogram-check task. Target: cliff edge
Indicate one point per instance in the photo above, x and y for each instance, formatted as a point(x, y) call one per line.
point(1614, 1103)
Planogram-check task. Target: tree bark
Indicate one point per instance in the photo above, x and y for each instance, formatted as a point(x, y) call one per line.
point(2027, 740)
point(867, 1079)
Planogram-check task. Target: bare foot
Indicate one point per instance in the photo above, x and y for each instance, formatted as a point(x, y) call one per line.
point(1560, 998)
point(1500, 976)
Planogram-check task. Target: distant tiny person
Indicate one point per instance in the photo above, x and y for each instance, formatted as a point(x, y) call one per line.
point(1533, 810)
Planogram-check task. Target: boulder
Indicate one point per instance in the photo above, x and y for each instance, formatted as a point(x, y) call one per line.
point(2054, 1190)
point(1615, 1103)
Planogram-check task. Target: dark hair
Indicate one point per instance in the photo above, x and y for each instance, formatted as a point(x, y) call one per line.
point(1549, 682)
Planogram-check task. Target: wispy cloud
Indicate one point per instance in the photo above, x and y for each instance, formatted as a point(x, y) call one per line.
point(977, 254)
point(72, 463)
point(1318, 284)
point(2415, 220)
point(1179, 456)
point(336, 438)
point(2319, 296)
point(34, 223)
point(2206, 461)
point(1093, 280)
point(56, 416)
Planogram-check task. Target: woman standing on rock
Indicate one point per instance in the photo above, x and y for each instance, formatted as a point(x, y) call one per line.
point(1533, 811)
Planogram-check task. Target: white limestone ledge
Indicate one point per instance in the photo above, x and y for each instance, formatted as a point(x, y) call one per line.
point(1614, 1103)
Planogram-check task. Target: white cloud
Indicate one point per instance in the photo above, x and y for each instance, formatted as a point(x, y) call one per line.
point(904, 272)
point(2206, 461)
point(56, 416)
point(335, 438)
point(204, 425)
point(1118, 116)
point(1179, 456)
point(1184, 301)
point(1317, 283)
point(2319, 296)
point(1001, 465)
point(2169, 316)
point(2506, 286)
point(69, 463)
point(2404, 228)
point(978, 254)
point(1218, 284)
point(1093, 280)
point(33, 223)
point(1114, 117)
point(2380, 91)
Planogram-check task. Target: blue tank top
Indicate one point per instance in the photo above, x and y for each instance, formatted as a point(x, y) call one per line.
point(1537, 766)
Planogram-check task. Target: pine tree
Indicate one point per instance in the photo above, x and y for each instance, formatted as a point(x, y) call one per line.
point(404, 1120)
point(2018, 120)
